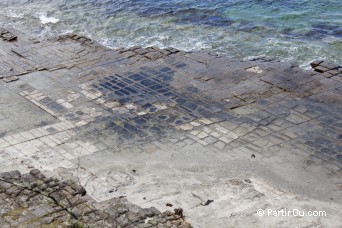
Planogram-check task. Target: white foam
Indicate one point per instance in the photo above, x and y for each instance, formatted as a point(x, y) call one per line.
point(45, 19)
point(13, 13)
point(251, 57)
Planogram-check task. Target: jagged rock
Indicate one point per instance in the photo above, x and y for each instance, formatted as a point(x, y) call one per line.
point(13, 175)
point(78, 189)
point(316, 63)
point(7, 35)
point(179, 211)
point(68, 200)
point(132, 216)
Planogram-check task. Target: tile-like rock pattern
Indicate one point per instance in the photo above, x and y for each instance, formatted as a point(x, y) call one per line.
point(156, 125)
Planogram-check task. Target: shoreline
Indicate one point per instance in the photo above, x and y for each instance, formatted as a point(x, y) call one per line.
point(41, 28)
point(215, 136)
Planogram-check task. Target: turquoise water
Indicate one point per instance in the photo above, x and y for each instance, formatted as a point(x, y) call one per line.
point(290, 30)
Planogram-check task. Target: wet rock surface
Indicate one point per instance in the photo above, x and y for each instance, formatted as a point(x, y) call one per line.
point(166, 129)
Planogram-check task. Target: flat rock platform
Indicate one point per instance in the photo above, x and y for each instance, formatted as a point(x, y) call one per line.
point(210, 138)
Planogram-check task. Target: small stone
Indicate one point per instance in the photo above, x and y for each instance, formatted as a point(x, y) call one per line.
point(248, 181)
point(169, 205)
point(208, 202)
point(112, 190)
point(255, 69)
point(78, 189)
point(179, 212)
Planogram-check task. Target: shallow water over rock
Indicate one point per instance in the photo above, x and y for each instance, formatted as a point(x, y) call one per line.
point(293, 31)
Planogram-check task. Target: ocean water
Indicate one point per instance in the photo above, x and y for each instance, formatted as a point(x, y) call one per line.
point(297, 31)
